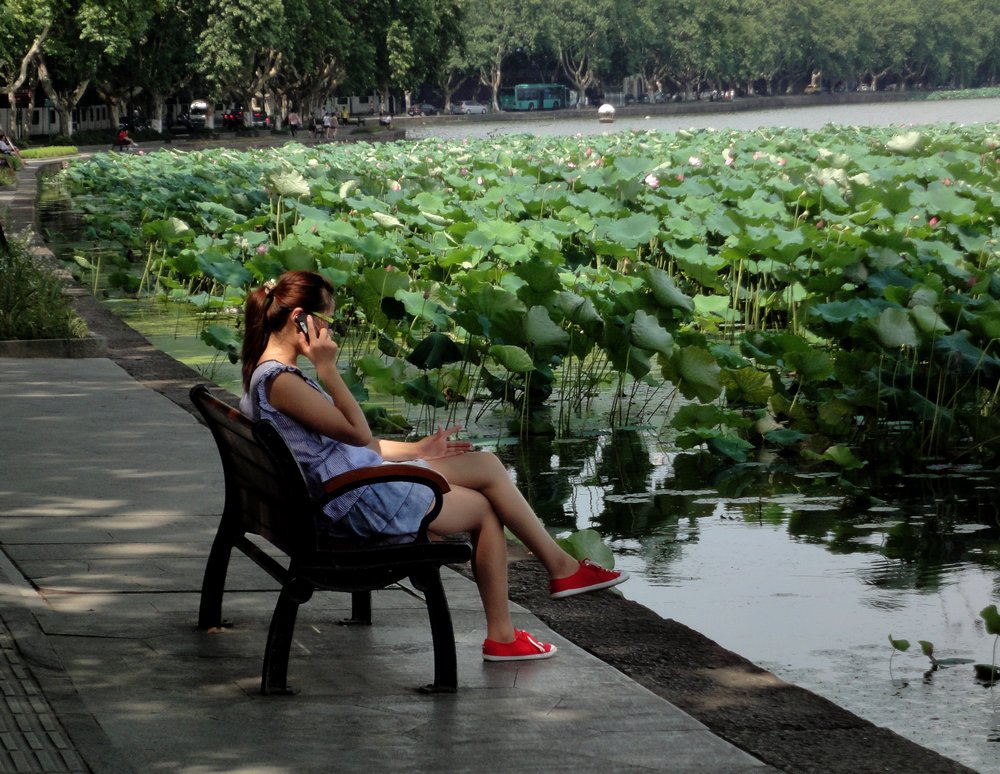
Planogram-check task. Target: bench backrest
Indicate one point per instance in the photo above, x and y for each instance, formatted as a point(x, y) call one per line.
point(266, 492)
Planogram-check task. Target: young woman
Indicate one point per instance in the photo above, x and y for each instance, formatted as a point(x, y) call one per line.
point(328, 433)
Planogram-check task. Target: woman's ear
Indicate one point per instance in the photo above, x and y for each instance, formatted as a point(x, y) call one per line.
point(301, 319)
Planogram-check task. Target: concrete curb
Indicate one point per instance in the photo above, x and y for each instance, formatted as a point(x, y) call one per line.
point(91, 346)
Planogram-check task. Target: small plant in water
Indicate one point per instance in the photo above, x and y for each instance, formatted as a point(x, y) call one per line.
point(928, 650)
point(989, 671)
point(897, 645)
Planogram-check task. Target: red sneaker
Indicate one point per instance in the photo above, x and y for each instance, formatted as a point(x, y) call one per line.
point(523, 648)
point(590, 577)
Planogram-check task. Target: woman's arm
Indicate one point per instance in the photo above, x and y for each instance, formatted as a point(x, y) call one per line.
point(342, 420)
point(431, 447)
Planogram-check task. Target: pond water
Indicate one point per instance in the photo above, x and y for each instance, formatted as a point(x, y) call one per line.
point(771, 563)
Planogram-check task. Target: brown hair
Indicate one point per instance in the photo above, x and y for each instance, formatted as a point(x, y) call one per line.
point(267, 308)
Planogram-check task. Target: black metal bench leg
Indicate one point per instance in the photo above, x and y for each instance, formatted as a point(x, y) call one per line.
point(274, 675)
point(361, 609)
point(213, 585)
point(442, 632)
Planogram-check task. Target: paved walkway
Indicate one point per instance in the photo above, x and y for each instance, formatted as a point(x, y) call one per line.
point(109, 498)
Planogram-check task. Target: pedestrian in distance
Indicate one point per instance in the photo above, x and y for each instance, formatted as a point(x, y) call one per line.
point(8, 148)
point(323, 424)
point(293, 122)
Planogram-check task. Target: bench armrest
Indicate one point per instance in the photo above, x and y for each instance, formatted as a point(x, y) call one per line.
point(380, 474)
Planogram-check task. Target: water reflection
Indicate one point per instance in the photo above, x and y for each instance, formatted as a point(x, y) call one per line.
point(798, 575)
point(629, 489)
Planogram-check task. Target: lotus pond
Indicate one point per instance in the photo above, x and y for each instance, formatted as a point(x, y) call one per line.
point(761, 364)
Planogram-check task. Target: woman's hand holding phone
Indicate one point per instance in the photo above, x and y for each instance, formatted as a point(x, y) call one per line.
point(319, 345)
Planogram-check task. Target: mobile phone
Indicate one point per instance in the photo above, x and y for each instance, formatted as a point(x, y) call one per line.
point(302, 320)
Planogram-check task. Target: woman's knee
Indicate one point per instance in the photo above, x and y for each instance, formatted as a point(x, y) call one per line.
point(464, 510)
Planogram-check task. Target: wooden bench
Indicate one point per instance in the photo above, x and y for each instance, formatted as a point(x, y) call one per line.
point(266, 494)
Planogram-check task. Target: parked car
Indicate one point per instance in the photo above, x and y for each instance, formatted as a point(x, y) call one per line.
point(198, 114)
point(467, 107)
point(423, 109)
point(236, 119)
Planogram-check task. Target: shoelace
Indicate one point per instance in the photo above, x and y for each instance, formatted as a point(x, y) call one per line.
point(522, 635)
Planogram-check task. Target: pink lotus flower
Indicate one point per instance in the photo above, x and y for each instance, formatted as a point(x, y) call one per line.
point(652, 180)
point(756, 155)
point(589, 152)
point(781, 162)
point(820, 223)
point(933, 222)
point(463, 171)
point(679, 177)
point(394, 185)
point(261, 249)
point(571, 165)
point(947, 181)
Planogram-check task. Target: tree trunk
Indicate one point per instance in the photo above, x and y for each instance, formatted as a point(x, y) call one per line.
point(578, 71)
point(493, 77)
point(18, 80)
point(62, 101)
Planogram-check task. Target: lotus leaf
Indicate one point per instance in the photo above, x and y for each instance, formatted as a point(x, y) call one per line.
point(290, 183)
point(492, 312)
point(418, 304)
point(961, 355)
point(665, 291)
point(423, 391)
point(699, 374)
point(843, 457)
point(629, 232)
point(991, 617)
point(785, 437)
point(436, 350)
point(747, 385)
point(542, 334)
point(647, 333)
point(809, 364)
point(577, 309)
point(895, 329)
point(168, 230)
point(225, 272)
point(729, 446)
point(928, 321)
point(513, 358)
point(587, 544)
point(715, 306)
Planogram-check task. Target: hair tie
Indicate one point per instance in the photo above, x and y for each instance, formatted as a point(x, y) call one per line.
point(269, 286)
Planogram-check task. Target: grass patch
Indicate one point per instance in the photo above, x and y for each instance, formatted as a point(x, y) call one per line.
point(48, 151)
point(32, 304)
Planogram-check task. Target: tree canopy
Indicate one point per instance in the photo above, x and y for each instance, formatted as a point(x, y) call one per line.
point(302, 52)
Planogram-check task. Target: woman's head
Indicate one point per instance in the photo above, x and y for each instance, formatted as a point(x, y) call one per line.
point(268, 308)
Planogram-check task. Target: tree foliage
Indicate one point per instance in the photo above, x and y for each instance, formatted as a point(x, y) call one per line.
point(303, 51)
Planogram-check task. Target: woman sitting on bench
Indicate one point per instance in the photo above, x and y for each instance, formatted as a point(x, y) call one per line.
point(328, 433)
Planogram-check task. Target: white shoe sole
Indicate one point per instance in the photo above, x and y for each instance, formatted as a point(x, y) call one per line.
point(531, 657)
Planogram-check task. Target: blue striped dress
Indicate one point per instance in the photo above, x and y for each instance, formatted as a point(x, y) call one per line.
point(386, 513)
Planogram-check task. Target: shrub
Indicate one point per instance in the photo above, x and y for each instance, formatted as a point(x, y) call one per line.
point(32, 304)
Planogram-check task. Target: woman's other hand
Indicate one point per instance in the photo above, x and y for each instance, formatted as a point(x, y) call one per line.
point(439, 444)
